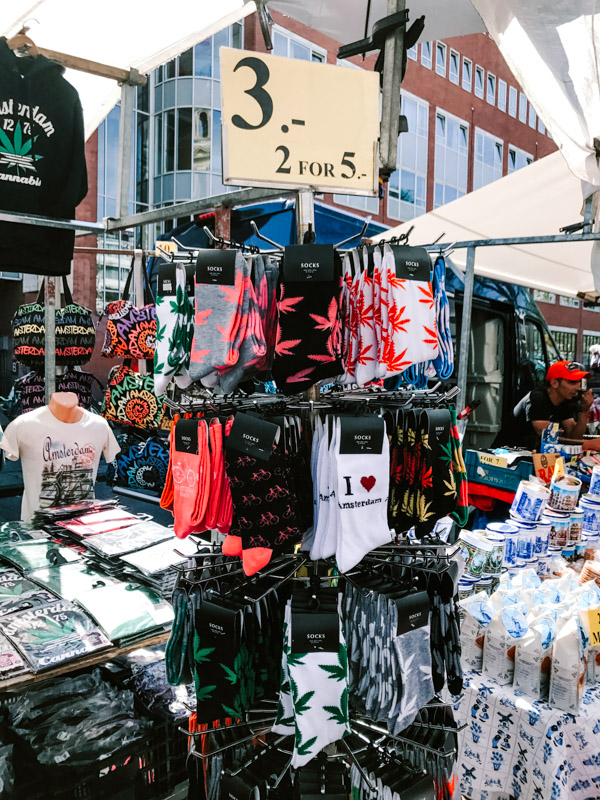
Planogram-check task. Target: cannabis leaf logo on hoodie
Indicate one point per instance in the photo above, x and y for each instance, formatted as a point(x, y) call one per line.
point(16, 153)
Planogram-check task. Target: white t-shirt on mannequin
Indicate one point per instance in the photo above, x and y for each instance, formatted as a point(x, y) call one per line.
point(60, 459)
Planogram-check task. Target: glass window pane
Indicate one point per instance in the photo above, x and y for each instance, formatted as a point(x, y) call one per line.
point(300, 51)
point(142, 97)
point(440, 59)
point(440, 126)
point(169, 141)
point(512, 101)
point(203, 59)
point(426, 54)
point(280, 44)
point(184, 138)
point(186, 62)
point(467, 75)
point(237, 36)
point(215, 148)
point(170, 68)
point(158, 143)
point(202, 139)
point(220, 39)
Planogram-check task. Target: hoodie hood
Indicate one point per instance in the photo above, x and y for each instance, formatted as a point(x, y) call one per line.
point(28, 67)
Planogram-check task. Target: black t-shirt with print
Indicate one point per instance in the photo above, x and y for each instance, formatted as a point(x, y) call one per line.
point(537, 406)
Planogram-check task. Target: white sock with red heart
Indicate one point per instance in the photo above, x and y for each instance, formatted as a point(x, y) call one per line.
point(362, 497)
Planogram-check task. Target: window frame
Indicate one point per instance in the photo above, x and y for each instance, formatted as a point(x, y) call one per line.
point(490, 77)
point(455, 80)
point(294, 37)
point(513, 95)
point(468, 88)
point(479, 71)
point(517, 150)
point(441, 70)
point(479, 164)
point(522, 116)
point(502, 90)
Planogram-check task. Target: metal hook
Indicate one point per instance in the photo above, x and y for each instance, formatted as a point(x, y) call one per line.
point(259, 235)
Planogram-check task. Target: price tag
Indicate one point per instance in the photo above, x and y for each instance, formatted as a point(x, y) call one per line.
point(492, 461)
point(590, 619)
point(297, 123)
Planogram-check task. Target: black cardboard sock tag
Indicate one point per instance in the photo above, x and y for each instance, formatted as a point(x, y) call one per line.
point(315, 632)
point(216, 266)
point(361, 435)
point(186, 436)
point(167, 283)
point(252, 436)
point(413, 612)
point(311, 263)
point(412, 263)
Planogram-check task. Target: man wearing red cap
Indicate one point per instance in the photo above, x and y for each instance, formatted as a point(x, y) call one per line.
point(559, 401)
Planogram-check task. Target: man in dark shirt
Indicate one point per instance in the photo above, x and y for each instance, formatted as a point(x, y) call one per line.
point(558, 401)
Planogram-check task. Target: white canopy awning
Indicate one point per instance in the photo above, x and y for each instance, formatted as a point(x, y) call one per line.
point(127, 34)
point(345, 20)
point(534, 201)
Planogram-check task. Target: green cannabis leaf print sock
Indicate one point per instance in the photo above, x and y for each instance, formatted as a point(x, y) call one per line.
point(319, 685)
point(168, 355)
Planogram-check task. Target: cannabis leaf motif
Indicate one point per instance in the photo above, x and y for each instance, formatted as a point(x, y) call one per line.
point(202, 656)
point(304, 749)
point(230, 674)
point(205, 693)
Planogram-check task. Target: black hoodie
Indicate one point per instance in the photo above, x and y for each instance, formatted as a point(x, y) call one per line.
point(42, 161)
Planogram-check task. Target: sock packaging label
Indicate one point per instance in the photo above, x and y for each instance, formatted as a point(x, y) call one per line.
point(252, 436)
point(361, 435)
point(412, 263)
point(186, 436)
point(413, 612)
point(314, 263)
point(216, 266)
point(314, 632)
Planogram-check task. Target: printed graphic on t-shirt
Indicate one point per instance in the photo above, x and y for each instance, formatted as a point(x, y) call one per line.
point(67, 474)
point(20, 127)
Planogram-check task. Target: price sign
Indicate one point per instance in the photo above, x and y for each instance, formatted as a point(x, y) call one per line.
point(492, 461)
point(293, 123)
point(590, 619)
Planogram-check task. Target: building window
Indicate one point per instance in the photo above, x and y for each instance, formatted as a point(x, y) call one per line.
point(426, 54)
point(487, 161)
point(454, 66)
point(440, 59)
point(589, 338)
point(566, 341)
point(291, 46)
point(412, 52)
point(512, 101)
point(467, 74)
point(568, 302)
point(490, 93)
point(368, 204)
point(502, 95)
point(451, 158)
point(532, 117)
point(518, 158)
point(541, 126)
point(522, 108)
point(541, 296)
point(479, 82)
point(407, 185)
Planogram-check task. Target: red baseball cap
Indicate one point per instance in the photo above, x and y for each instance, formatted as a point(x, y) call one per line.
point(568, 370)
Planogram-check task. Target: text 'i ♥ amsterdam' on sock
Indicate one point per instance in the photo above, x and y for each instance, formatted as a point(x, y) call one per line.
point(362, 464)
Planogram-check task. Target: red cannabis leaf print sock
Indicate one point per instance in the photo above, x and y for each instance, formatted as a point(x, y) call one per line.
point(308, 347)
point(219, 316)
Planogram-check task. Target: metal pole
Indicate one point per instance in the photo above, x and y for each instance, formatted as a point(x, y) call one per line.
point(138, 284)
point(125, 136)
point(390, 96)
point(465, 331)
point(305, 214)
point(49, 337)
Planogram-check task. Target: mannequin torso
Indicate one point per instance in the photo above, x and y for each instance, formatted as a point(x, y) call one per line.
point(65, 407)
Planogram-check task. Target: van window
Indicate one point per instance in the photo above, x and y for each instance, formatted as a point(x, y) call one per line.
point(536, 353)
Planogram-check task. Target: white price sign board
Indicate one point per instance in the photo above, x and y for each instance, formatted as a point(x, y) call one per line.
point(295, 124)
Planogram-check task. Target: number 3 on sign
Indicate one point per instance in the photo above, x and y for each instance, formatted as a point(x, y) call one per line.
point(294, 123)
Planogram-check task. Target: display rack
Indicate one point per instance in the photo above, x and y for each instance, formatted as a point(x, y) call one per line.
point(19, 682)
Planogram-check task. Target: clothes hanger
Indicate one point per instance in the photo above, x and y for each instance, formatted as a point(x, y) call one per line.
point(23, 42)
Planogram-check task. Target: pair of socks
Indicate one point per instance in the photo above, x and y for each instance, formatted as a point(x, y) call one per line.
point(351, 495)
point(191, 484)
point(308, 346)
point(173, 316)
point(265, 519)
point(313, 699)
point(221, 316)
